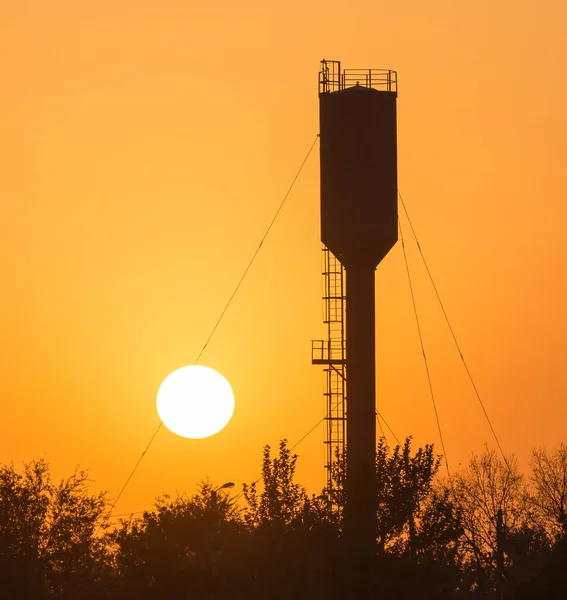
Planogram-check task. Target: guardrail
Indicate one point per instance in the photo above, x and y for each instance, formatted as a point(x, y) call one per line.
point(332, 79)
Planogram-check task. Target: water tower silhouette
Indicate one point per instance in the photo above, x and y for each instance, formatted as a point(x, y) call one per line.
point(359, 225)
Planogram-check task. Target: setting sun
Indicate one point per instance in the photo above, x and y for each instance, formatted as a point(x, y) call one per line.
point(195, 402)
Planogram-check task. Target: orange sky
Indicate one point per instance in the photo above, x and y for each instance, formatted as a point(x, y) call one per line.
point(145, 147)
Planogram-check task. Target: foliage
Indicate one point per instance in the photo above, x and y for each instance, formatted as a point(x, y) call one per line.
point(487, 531)
point(281, 501)
point(502, 538)
point(549, 479)
point(48, 544)
point(175, 548)
point(293, 550)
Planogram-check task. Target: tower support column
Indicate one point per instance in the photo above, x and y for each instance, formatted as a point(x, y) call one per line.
point(360, 508)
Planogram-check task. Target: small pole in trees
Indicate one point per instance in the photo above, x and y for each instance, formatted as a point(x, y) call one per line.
point(499, 551)
point(214, 550)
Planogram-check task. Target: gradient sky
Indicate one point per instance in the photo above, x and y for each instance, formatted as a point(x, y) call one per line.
point(145, 147)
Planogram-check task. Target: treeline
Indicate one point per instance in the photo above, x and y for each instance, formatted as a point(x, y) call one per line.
point(486, 531)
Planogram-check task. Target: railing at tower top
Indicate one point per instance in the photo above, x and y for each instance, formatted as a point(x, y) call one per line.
point(332, 79)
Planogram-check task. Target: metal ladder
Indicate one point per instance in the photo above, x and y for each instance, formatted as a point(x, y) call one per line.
point(332, 353)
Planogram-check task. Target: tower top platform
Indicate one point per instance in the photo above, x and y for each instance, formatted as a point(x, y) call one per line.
point(333, 79)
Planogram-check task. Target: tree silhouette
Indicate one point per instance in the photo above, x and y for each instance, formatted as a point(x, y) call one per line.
point(175, 549)
point(485, 532)
point(502, 538)
point(47, 533)
point(549, 478)
point(282, 501)
point(418, 528)
point(294, 549)
point(418, 524)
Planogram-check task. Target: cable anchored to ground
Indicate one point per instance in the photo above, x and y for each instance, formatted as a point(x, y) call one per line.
point(381, 418)
point(257, 250)
point(310, 431)
point(226, 307)
point(423, 350)
point(454, 336)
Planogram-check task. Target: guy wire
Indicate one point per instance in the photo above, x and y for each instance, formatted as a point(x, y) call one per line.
point(423, 349)
point(109, 514)
point(454, 336)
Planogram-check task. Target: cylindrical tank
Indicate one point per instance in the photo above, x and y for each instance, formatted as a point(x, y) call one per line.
point(359, 222)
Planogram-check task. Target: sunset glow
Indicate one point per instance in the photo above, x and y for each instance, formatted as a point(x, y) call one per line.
point(145, 148)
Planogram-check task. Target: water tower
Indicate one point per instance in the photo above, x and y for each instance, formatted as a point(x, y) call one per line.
point(359, 225)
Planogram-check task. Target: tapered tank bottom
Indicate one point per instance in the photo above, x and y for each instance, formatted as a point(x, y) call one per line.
point(360, 508)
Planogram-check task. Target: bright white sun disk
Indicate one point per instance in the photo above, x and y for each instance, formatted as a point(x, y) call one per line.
point(195, 402)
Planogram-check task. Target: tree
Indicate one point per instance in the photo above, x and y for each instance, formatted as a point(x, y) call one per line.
point(293, 549)
point(549, 480)
point(405, 484)
point(418, 528)
point(48, 542)
point(417, 522)
point(405, 491)
point(549, 501)
point(502, 539)
point(281, 501)
point(186, 547)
